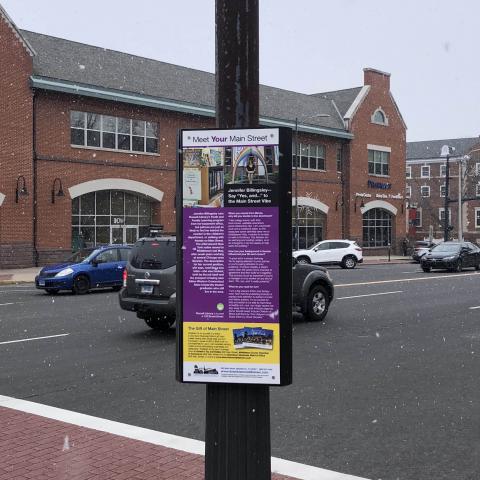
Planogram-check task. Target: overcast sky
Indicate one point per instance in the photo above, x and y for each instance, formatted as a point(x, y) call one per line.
point(430, 46)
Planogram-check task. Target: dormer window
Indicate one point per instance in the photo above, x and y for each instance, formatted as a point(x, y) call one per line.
point(379, 117)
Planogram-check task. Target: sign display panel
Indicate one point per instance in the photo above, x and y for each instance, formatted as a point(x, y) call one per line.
point(234, 258)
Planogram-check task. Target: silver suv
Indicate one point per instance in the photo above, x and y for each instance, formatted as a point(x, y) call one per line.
point(149, 282)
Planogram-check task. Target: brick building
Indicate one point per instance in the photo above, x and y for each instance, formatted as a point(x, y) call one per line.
point(426, 183)
point(88, 149)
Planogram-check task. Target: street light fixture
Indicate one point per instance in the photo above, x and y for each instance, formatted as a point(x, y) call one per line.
point(20, 191)
point(446, 153)
point(362, 204)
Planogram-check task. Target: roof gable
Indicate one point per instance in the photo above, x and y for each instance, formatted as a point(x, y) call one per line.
point(16, 31)
point(343, 98)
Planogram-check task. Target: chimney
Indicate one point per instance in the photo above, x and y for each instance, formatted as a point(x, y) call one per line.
point(376, 78)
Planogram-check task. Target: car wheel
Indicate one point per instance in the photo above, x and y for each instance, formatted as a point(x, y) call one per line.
point(317, 303)
point(81, 285)
point(303, 260)
point(51, 291)
point(349, 262)
point(117, 288)
point(426, 269)
point(458, 266)
point(160, 323)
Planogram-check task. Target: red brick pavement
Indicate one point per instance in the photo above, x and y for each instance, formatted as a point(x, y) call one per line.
point(37, 448)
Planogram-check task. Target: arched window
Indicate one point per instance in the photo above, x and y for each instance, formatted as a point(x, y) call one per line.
point(311, 226)
point(379, 117)
point(377, 228)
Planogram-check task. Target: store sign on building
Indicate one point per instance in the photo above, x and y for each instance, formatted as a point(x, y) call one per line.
point(381, 185)
point(233, 313)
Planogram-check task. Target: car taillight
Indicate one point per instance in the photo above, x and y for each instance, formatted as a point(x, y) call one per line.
point(125, 278)
point(358, 249)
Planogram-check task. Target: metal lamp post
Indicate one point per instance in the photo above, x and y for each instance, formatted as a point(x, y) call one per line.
point(446, 153)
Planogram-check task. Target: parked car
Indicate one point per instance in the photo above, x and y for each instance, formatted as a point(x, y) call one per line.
point(345, 253)
point(150, 281)
point(452, 256)
point(85, 270)
point(421, 248)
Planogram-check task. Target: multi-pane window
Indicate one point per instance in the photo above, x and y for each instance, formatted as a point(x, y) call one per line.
point(339, 158)
point(443, 170)
point(418, 218)
point(477, 190)
point(477, 217)
point(441, 214)
point(311, 222)
point(378, 162)
point(408, 172)
point(408, 191)
point(425, 171)
point(443, 190)
point(377, 228)
point(311, 157)
point(113, 133)
point(425, 191)
point(477, 169)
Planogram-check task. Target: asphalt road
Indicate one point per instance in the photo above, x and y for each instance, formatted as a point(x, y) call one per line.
point(387, 388)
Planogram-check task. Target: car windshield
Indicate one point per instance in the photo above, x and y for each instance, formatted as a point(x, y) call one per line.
point(80, 255)
point(447, 247)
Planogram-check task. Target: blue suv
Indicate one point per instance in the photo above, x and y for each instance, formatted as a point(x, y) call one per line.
point(87, 269)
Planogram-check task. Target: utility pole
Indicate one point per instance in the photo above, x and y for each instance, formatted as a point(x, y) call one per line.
point(237, 445)
point(460, 194)
point(446, 152)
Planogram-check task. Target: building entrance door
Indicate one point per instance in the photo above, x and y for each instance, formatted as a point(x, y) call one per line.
point(123, 234)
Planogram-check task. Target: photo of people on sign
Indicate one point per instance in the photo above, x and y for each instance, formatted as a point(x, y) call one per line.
point(203, 177)
point(250, 337)
point(251, 165)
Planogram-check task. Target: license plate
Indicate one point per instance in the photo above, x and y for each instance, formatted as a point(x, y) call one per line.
point(41, 283)
point(147, 289)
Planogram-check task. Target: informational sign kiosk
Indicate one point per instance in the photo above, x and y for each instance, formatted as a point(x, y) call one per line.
point(234, 268)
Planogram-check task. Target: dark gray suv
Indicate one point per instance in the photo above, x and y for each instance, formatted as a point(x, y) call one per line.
point(149, 282)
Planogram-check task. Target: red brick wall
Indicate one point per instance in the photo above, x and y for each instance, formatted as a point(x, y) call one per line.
point(393, 136)
point(16, 234)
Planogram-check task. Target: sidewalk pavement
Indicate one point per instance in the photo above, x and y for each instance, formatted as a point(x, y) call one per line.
point(27, 275)
point(39, 442)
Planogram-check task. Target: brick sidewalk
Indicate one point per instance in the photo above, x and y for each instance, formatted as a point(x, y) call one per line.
point(37, 448)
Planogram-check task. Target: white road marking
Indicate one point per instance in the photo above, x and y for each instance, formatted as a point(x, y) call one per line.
point(474, 308)
point(34, 338)
point(3, 304)
point(12, 290)
point(280, 466)
point(370, 295)
point(378, 282)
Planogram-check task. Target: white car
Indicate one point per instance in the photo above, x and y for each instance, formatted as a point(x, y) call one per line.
point(345, 253)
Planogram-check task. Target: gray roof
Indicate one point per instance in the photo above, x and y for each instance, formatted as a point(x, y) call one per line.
point(70, 61)
point(342, 98)
point(432, 148)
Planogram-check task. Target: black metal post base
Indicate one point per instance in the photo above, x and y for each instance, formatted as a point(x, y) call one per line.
point(237, 432)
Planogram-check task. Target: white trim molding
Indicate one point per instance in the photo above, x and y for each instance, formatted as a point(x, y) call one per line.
point(311, 202)
point(362, 94)
point(379, 148)
point(379, 204)
point(2, 198)
point(115, 184)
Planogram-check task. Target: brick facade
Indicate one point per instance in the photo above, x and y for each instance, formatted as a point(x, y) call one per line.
point(38, 146)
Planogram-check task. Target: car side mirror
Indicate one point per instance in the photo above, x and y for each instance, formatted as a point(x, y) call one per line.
point(94, 262)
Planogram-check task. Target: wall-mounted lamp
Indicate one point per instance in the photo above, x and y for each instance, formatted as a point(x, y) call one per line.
point(355, 203)
point(60, 190)
point(21, 191)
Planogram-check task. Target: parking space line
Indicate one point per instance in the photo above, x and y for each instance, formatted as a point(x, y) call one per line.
point(370, 295)
point(34, 338)
point(3, 304)
point(474, 308)
point(379, 282)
